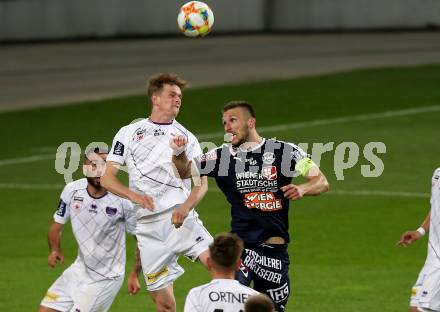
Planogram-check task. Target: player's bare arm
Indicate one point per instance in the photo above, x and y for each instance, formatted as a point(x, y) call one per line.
point(180, 160)
point(133, 281)
point(316, 184)
point(111, 182)
point(408, 237)
point(198, 191)
point(54, 240)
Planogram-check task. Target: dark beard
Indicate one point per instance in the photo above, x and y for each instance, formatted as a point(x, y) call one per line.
point(95, 184)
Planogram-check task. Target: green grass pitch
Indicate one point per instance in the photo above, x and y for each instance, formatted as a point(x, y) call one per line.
point(343, 254)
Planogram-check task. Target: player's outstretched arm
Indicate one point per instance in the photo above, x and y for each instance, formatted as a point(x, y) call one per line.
point(181, 162)
point(408, 237)
point(133, 280)
point(198, 191)
point(111, 182)
point(54, 240)
point(316, 184)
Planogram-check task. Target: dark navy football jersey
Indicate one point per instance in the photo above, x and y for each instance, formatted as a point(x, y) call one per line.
point(251, 181)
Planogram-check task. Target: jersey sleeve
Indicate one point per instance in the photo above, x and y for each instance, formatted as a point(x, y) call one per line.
point(63, 211)
point(193, 149)
point(129, 216)
point(192, 303)
point(118, 152)
point(208, 164)
point(301, 162)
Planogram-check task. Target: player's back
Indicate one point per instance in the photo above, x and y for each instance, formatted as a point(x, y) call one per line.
point(224, 295)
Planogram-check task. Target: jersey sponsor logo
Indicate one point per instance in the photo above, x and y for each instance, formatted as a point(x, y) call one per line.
point(262, 201)
point(77, 202)
point(51, 296)
point(268, 158)
point(119, 149)
point(61, 211)
point(158, 132)
point(110, 211)
point(153, 277)
point(279, 294)
point(212, 155)
point(93, 209)
point(269, 172)
point(228, 297)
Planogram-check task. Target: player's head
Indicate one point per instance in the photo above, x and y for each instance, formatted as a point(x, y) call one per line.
point(94, 165)
point(165, 93)
point(225, 252)
point(259, 303)
point(239, 121)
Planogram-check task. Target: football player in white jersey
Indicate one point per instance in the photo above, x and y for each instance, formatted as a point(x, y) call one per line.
point(99, 220)
point(169, 227)
point(425, 294)
point(223, 293)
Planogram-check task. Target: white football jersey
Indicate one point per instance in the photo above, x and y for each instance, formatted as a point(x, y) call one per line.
point(99, 226)
point(144, 147)
point(433, 257)
point(224, 295)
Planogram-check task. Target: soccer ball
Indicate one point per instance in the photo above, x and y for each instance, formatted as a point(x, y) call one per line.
point(195, 19)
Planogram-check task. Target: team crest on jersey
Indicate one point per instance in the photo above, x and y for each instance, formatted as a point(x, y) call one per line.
point(269, 172)
point(268, 158)
point(110, 211)
point(139, 135)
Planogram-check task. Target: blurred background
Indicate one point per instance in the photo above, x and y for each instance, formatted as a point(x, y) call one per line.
point(317, 71)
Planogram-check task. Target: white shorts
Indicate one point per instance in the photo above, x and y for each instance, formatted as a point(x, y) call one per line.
point(425, 294)
point(76, 291)
point(161, 244)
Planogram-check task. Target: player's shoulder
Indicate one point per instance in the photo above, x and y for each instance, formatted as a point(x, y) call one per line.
point(133, 126)
point(73, 187)
point(120, 200)
point(282, 143)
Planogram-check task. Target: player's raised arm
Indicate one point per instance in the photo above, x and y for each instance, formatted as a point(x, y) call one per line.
point(180, 160)
point(316, 181)
point(111, 182)
point(408, 237)
point(54, 240)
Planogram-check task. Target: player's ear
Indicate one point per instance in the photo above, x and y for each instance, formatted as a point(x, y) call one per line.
point(238, 264)
point(251, 123)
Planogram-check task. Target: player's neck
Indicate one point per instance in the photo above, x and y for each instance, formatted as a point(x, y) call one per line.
point(252, 140)
point(222, 275)
point(160, 118)
point(96, 192)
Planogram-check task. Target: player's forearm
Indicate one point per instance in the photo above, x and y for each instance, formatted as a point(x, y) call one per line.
point(426, 222)
point(112, 184)
point(54, 238)
point(137, 267)
point(316, 185)
point(197, 193)
point(183, 165)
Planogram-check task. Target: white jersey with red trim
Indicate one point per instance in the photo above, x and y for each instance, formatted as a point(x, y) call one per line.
point(144, 146)
point(433, 257)
point(224, 295)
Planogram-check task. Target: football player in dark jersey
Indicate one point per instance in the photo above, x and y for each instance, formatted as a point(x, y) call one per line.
point(255, 174)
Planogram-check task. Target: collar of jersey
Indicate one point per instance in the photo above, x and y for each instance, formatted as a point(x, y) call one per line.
point(246, 151)
point(161, 123)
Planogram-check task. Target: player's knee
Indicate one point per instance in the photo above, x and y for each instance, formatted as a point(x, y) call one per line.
point(165, 304)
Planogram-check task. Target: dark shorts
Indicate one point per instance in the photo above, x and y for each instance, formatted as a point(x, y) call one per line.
point(267, 266)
